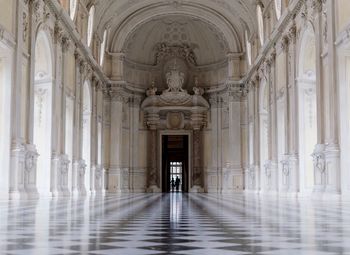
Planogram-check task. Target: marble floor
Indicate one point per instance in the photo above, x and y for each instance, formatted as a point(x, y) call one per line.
point(175, 224)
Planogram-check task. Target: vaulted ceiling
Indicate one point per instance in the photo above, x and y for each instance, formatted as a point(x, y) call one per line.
point(213, 27)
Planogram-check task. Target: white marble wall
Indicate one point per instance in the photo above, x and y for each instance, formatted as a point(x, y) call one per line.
point(236, 156)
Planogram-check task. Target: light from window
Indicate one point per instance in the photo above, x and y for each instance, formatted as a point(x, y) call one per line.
point(90, 25)
point(175, 172)
point(72, 8)
point(103, 47)
point(278, 8)
point(260, 24)
point(248, 48)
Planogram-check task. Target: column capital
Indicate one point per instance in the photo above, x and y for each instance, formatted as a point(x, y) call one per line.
point(234, 92)
point(117, 94)
point(214, 100)
point(292, 32)
point(66, 42)
point(272, 55)
point(284, 42)
point(317, 5)
point(58, 32)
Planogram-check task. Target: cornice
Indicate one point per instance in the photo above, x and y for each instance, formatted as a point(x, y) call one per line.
point(6, 37)
point(281, 26)
point(284, 23)
point(70, 31)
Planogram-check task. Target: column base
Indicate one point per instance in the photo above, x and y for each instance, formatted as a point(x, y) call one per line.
point(196, 189)
point(153, 189)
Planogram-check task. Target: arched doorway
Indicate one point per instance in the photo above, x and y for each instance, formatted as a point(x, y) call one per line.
point(43, 110)
point(307, 108)
point(5, 117)
point(86, 149)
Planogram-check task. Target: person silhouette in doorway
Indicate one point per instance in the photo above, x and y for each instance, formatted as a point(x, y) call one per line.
point(172, 183)
point(177, 183)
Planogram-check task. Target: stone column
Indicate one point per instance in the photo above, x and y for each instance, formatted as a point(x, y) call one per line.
point(256, 121)
point(115, 171)
point(327, 152)
point(94, 145)
point(134, 171)
point(234, 72)
point(251, 171)
point(284, 161)
point(233, 175)
point(244, 135)
point(100, 171)
point(293, 144)
point(332, 148)
point(118, 66)
point(197, 173)
point(63, 171)
point(153, 173)
point(76, 173)
point(16, 189)
point(214, 174)
point(20, 130)
point(269, 167)
point(57, 111)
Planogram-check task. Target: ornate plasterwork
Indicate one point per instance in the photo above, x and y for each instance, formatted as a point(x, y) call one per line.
point(185, 51)
point(175, 103)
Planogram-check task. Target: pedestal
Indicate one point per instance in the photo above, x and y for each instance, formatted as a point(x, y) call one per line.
point(114, 180)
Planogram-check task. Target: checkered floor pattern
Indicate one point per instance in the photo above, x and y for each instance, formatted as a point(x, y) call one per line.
point(175, 224)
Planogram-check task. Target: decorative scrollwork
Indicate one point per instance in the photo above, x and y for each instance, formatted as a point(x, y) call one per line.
point(185, 51)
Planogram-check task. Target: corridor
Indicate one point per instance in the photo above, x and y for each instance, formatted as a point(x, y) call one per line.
point(175, 224)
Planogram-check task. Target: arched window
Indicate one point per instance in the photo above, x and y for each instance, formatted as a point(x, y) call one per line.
point(42, 105)
point(103, 47)
point(260, 24)
point(249, 48)
point(278, 8)
point(72, 8)
point(90, 25)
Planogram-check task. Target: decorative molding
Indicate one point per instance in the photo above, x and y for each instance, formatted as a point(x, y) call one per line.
point(185, 51)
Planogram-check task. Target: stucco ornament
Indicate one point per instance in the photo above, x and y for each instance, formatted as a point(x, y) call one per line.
point(175, 80)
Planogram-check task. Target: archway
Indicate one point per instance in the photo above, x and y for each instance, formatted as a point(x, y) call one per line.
point(86, 146)
point(5, 118)
point(43, 111)
point(307, 108)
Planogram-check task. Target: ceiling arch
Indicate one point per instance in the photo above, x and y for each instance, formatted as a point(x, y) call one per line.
point(207, 44)
point(232, 17)
point(120, 34)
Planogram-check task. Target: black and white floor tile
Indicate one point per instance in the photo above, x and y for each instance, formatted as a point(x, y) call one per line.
point(175, 224)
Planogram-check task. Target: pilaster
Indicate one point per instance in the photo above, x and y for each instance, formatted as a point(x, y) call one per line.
point(153, 176)
point(233, 172)
point(197, 173)
point(116, 171)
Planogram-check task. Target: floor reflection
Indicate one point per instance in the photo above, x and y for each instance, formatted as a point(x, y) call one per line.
point(175, 223)
point(175, 207)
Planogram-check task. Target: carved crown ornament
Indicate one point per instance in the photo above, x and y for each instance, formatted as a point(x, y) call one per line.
point(175, 103)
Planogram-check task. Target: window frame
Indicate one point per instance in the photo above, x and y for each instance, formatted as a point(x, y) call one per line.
point(260, 19)
point(103, 47)
point(73, 6)
point(278, 8)
point(90, 26)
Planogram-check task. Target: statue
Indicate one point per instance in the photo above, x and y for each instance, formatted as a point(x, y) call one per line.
point(152, 90)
